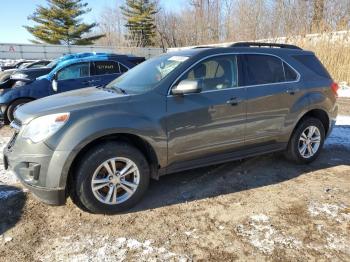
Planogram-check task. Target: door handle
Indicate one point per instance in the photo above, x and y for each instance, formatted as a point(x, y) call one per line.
point(233, 101)
point(293, 91)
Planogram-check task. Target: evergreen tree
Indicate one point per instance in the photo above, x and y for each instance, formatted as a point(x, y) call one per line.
point(60, 23)
point(140, 21)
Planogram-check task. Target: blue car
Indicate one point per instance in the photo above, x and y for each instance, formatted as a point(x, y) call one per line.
point(71, 74)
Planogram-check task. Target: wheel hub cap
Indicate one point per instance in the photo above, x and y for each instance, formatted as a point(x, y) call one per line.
point(309, 141)
point(115, 180)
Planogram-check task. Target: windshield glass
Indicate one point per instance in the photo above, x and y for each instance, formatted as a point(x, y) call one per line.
point(53, 63)
point(148, 74)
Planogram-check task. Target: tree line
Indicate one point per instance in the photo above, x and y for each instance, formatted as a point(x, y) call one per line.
point(147, 23)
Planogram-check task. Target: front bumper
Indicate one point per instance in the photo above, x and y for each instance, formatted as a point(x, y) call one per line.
point(32, 163)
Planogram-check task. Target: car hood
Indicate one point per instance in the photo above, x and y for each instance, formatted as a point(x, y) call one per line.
point(32, 73)
point(67, 102)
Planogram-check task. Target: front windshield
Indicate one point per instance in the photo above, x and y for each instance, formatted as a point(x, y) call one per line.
point(53, 63)
point(148, 74)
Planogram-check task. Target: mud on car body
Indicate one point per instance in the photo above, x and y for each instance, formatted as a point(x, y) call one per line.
point(174, 112)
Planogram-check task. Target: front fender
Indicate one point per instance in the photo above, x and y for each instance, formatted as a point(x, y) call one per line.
point(34, 90)
point(83, 130)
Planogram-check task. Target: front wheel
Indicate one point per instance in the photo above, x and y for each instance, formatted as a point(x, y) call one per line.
point(307, 141)
point(111, 178)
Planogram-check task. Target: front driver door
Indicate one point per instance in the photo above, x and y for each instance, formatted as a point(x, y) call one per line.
point(73, 77)
point(212, 121)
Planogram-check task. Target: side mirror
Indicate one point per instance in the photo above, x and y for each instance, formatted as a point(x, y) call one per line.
point(186, 87)
point(54, 83)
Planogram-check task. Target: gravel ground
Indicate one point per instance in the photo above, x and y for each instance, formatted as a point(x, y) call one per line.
point(261, 208)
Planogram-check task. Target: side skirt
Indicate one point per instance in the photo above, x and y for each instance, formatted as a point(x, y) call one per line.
point(222, 158)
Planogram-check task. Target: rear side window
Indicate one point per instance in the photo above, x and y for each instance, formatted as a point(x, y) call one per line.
point(106, 68)
point(289, 73)
point(263, 69)
point(313, 64)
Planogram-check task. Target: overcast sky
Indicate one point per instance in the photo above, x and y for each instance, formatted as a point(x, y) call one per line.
point(14, 15)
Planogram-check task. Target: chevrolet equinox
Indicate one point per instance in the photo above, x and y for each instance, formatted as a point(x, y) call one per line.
point(181, 110)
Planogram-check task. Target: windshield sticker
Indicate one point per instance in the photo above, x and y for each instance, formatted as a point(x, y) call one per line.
point(178, 58)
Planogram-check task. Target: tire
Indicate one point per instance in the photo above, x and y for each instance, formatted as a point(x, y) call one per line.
point(119, 153)
point(13, 106)
point(296, 145)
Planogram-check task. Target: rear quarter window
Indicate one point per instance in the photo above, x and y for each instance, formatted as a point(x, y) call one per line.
point(313, 64)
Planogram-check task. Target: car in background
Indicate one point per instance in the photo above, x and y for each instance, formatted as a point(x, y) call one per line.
point(27, 75)
point(6, 74)
point(72, 74)
point(15, 65)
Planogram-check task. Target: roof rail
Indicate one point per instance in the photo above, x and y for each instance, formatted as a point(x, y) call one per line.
point(257, 44)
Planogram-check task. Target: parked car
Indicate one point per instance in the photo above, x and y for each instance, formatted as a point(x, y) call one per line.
point(5, 75)
point(177, 111)
point(24, 76)
point(15, 65)
point(98, 69)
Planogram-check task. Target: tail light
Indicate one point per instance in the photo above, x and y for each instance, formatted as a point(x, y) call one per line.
point(335, 87)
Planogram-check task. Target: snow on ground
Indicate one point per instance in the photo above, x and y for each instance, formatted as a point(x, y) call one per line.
point(344, 90)
point(260, 233)
point(87, 248)
point(340, 135)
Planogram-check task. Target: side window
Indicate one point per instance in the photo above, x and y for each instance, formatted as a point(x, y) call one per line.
point(215, 73)
point(123, 68)
point(106, 68)
point(289, 73)
point(74, 71)
point(263, 69)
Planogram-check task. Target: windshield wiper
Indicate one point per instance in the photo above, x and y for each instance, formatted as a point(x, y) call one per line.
point(115, 88)
point(120, 89)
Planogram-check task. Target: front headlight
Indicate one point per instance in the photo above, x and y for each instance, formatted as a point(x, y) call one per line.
point(45, 126)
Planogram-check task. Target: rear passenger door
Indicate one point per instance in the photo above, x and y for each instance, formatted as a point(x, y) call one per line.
point(106, 71)
point(272, 90)
point(73, 77)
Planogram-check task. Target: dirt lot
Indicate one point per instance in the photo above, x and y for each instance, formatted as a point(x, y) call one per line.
point(262, 208)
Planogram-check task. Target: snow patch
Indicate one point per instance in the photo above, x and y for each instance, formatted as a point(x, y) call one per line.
point(264, 236)
point(87, 248)
point(340, 135)
point(344, 90)
point(339, 213)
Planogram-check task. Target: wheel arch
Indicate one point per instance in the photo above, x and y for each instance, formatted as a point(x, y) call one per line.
point(318, 113)
point(14, 100)
point(134, 140)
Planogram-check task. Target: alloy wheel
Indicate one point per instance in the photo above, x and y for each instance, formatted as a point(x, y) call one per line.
point(115, 180)
point(309, 141)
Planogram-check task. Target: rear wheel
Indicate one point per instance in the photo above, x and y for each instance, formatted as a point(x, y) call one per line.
point(307, 141)
point(111, 178)
point(14, 106)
